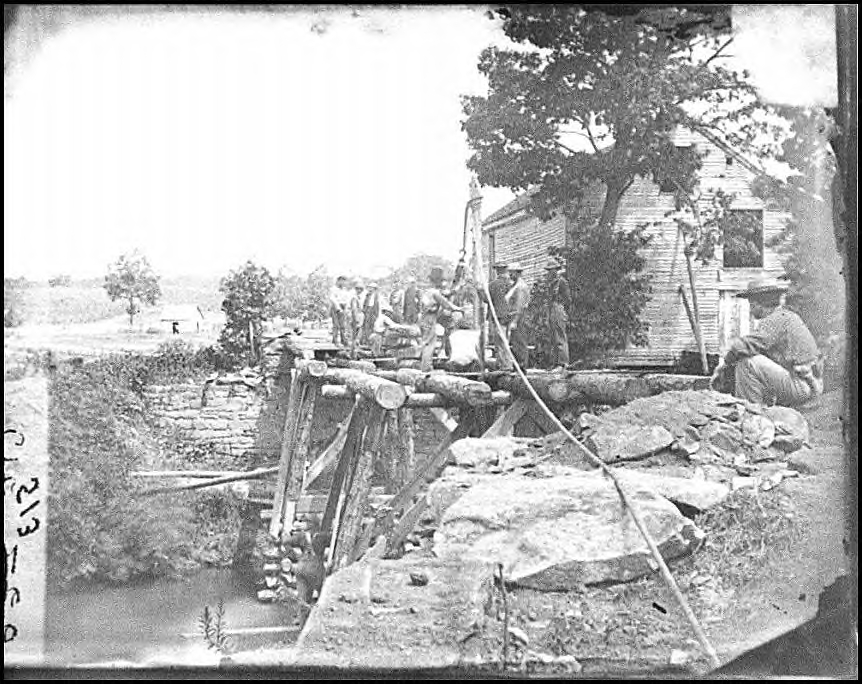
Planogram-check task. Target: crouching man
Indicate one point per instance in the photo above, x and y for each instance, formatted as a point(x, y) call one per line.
point(779, 363)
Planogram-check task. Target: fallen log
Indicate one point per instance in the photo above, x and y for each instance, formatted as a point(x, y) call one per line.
point(554, 388)
point(385, 393)
point(354, 364)
point(212, 481)
point(454, 388)
point(600, 387)
point(414, 399)
point(191, 474)
point(310, 369)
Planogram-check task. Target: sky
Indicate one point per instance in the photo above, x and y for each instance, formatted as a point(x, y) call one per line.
point(205, 140)
point(292, 139)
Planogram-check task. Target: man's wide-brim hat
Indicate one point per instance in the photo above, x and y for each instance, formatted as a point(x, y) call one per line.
point(500, 266)
point(436, 275)
point(515, 266)
point(762, 286)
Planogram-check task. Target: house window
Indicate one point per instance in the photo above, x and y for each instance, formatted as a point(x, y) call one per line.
point(743, 238)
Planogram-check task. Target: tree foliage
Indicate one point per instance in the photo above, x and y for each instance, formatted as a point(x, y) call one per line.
point(132, 280)
point(14, 301)
point(605, 307)
point(304, 298)
point(585, 102)
point(417, 266)
point(249, 300)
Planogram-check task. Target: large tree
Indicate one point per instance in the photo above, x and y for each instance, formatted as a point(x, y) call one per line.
point(589, 98)
point(131, 278)
point(585, 101)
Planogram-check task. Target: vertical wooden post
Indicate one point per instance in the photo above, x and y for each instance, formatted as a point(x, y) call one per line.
point(296, 472)
point(335, 500)
point(294, 401)
point(406, 452)
point(357, 488)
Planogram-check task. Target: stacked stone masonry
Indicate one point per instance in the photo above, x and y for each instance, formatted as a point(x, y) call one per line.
point(226, 413)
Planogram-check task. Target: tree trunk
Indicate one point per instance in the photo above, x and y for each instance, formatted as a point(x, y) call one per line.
point(385, 393)
point(599, 387)
point(454, 388)
point(613, 195)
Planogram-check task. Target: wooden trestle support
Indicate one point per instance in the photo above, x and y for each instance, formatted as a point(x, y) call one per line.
point(377, 435)
point(339, 526)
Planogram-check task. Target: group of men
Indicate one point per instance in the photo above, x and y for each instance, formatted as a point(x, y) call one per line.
point(779, 363)
point(510, 296)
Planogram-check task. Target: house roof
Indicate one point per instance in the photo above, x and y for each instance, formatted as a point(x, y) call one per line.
point(520, 202)
point(181, 312)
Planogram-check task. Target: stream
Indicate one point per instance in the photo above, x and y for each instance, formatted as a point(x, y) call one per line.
point(144, 623)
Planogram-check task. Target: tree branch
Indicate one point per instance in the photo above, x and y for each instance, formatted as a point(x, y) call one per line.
point(719, 51)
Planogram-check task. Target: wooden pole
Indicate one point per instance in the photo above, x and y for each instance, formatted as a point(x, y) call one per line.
point(296, 472)
point(212, 482)
point(698, 333)
point(414, 399)
point(331, 453)
point(406, 451)
point(291, 421)
point(358, 486)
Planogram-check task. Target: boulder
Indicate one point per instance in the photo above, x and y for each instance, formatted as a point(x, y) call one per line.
point(629, 442)
point(561, 532)
point(791, 428)
point(487, 452)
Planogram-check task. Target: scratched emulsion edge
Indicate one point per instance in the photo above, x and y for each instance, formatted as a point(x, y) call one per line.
point(25, 476)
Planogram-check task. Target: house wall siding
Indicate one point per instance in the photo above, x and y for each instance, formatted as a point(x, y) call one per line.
point(523, 238)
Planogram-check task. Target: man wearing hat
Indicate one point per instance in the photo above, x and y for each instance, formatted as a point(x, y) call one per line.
point(779, 363)
point(431, 304)
point(410, 303)
point(519, 299)
point(497, 290)
point(370, 311)
point(559, 301)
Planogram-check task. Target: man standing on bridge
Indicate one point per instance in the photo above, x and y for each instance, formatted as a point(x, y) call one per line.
point(432, 303)
point(559, 301)
point(497, 290)
point(519, 299)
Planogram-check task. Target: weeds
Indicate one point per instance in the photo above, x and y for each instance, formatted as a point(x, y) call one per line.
point(213, 628)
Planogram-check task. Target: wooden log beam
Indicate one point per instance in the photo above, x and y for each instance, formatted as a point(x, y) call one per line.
point(600, 387)
point(457, 389)
point(310, 369)
point(191, 474)
point(405, 526)
point(385, 393)
point(414, 399)
point(354, 364)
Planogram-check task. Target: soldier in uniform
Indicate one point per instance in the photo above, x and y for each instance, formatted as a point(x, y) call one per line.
point(519, 299)
point(432, 304)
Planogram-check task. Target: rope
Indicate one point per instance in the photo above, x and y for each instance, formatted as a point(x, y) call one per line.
point(608, 472)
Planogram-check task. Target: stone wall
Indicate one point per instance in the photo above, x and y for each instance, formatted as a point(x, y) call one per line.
point(226, 412)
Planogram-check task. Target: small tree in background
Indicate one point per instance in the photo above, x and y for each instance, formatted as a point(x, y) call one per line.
point(14, 301)
point(132, 279)
point(249, 300)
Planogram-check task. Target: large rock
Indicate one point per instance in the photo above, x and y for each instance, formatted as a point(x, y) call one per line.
point(561, 532)
point(489, 452)
point(371, 614)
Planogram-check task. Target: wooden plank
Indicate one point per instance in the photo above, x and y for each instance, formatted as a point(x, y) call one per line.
point(296, 474)
point(505, 424)
point(331, 453)
point(289, 435)
point(364, 541)
point(406, 448)
point(414, 399)
point(443, 417)
point(358, 486)
point(405, 526)
point(541, 419)
point(385, 393)
point(337, 492)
